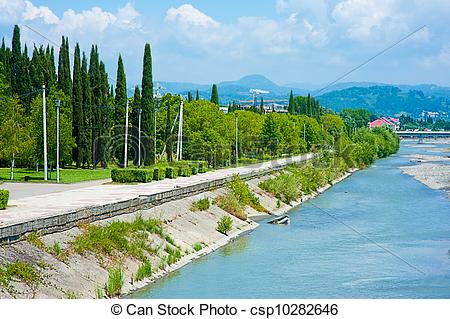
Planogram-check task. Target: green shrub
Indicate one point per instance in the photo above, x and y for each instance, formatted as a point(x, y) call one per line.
point(171, 172)
point(144, 271)
point(115, 282)
point(159, 173)
point(200, 205)
point(202, 166)
point(174, 255)
point(132, 175)
point(224, 225)
point(184, 170)
point(4, 197)
point(243, 194)
point(231, 205)
point(194, 168)
point(197, 246)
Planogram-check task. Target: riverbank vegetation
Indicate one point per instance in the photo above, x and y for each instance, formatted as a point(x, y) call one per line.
point(238, 195)
point(359, 151)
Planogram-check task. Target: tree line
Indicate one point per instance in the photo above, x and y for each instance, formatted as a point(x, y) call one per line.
point(92, 110)
point(92, 124)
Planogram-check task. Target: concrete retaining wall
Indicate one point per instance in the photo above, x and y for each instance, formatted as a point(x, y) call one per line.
point(70, 219)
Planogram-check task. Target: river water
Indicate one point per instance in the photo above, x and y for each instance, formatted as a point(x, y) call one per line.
point(377, 234)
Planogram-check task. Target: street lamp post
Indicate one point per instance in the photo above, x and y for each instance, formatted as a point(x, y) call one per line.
point(125, 154)
point(58, 104)
point(139, 138)
point(237, 152)
point(44, 124)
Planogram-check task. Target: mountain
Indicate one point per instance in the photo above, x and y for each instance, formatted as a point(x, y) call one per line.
point(236, 90)
point(385, 100)
point(379, 98)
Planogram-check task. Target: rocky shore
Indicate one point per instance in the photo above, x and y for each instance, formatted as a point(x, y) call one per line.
point(431, 170)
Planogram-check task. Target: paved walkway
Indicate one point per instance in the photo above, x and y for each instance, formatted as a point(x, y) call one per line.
point(21, 190)
point(53, 204)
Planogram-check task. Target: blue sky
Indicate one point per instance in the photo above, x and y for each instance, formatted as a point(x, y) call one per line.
point(289, 41)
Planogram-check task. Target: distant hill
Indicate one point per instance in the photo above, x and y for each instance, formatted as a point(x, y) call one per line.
point(379, 98)
point(236, 90)
point(385, 100)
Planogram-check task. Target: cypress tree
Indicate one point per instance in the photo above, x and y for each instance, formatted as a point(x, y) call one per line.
point(94, 76)
point(197, 96)
point(120, 102)
point(121, 95)
point(261, 106)
point(16, 58)
point(106, 113)
point(64, 79)
point(308, 105)
point(214, 95)
point(148, 107)
point(291, 106)
point(77, 108)
point(135, 109)
point(25, 81)
point(86, 124)
point(189, 96)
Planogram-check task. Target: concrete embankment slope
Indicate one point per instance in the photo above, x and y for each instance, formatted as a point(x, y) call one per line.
point(61, 211)
point(62, 271)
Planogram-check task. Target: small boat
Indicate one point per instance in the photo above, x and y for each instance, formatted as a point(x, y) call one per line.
point(283, 220)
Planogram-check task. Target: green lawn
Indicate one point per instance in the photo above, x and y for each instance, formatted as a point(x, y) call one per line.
point(70, 175)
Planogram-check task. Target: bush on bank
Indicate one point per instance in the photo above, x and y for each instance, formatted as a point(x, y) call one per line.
point(158, 172)
point(4, 197)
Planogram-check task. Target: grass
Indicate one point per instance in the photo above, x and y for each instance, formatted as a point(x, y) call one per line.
point(200, 205)
point(67, 175)
point(144, 271)
point(129, 239)
point(224, 225)
point(115, 282)
point(197, 246)
point(21, 272)
point(243, 194)
point(174, 254)
point(230, 203)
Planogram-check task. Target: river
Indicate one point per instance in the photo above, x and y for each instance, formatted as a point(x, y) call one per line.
point(377, 234)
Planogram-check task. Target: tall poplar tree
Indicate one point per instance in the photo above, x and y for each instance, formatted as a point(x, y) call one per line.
point(291, 106)
point(77, 108)
point(135, 109)
point(16, 59)
point(120, 102)
point(148, 106)
point(214, 95)
point(86, 123)
point(197, 96)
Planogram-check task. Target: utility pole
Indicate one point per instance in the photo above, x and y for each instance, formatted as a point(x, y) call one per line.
point(139, 138)
point(237, 152)
point(125, 154)
point(58, 104)
point(180, 134)
point(44, 124)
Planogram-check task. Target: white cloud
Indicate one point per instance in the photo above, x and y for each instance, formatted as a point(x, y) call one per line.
point(93, 20)
point(364, 19)
point(32, 13)
point(12, 11)
point(187, 15)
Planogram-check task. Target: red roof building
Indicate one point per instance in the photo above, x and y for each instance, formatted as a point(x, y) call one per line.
point(391, 122)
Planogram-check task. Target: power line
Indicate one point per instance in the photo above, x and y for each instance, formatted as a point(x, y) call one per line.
point(369, 60)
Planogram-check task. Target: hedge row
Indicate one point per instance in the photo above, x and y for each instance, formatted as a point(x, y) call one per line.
point(159, 172)
point(128, 175)
point(4, 197)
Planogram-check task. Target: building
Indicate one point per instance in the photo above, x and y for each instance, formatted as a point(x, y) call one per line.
point(391, 122)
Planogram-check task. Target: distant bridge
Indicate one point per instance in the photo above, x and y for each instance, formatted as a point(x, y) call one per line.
point(422, 134)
